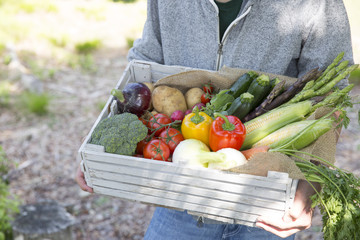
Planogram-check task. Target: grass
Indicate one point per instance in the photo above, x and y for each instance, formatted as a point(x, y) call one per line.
point(4, 162)
point(101, 201)
point(97, 13)
point(5, 89)
point(64, 47)
point(39, 67)
point(130, 42)
point(8, 205)
point(84, 62)
point(31, 7)
point(11, 30)
point(28, 6)
point(6, 59)
point(2, 48)
point(88, 46)
point(59, 41)
point(35, 103)
point(39, 71)
point(124, 1)
point(87, 63)
point(100, 105)
point(85, 59)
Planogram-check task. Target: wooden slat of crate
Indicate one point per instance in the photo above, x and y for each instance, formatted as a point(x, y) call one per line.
point(158, 166)
point(202, 209)
point(170, 185)
point(183, 195)
point(194, 180)
point(166, 187)
point(246, 198)
point(150, 72)
point(203, 205)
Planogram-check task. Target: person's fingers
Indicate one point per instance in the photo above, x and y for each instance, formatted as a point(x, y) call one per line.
point(296, 219)
point(276, 223)
point(278, 232)
point(80, 179)
point(303, 221)
point(84, 186)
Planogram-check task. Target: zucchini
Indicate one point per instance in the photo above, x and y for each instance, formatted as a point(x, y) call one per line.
point(260, 88)
point(241, 105)
point(274, 81)
point(242, 84)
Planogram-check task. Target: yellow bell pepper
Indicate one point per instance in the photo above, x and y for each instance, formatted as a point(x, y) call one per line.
point(196, 125)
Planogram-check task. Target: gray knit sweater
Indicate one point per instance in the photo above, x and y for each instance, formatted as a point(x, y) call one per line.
point(287, 37)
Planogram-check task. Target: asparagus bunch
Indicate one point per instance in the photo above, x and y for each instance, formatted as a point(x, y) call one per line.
point(334, 98)
point(333, 74)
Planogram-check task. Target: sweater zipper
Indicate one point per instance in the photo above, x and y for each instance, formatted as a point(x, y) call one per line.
point(223, 40)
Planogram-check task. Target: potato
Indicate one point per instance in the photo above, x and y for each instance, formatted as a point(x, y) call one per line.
point(193, 96)
point(167, 100)
point(153, 113)
point(147, 115)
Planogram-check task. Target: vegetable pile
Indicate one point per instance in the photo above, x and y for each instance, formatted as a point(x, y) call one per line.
point(206, 127)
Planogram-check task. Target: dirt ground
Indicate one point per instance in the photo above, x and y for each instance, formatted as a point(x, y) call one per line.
point(45, 150)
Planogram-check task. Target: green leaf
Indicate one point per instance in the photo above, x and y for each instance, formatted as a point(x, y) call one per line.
point(338, 200)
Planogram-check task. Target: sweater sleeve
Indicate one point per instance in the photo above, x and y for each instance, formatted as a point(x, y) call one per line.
point(149, 47)
point(328, 34)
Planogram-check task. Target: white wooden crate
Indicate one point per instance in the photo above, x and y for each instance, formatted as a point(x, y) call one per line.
point(218, 195)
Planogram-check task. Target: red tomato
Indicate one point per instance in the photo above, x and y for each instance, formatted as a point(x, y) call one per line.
point(138, 155)
point(157, 121)
point(208, 88)
point(140, 146)
point(157, 149)
point(205, 98)
point(172, 137)
point(143, 121)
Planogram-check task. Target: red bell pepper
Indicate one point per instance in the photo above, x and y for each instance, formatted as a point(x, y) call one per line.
point(226, 132)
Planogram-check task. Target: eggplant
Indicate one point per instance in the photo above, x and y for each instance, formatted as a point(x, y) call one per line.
point(134, 98)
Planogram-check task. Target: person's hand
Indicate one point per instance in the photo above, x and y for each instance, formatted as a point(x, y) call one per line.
point(80, 179)
point(296, 219)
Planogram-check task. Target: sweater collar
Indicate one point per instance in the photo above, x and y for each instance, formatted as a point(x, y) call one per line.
point(245, 5)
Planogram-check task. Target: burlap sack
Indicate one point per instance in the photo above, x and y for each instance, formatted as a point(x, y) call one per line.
point(222, 79)
point(260, 163)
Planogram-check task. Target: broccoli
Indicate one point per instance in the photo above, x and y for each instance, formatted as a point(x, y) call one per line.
point(119, 133)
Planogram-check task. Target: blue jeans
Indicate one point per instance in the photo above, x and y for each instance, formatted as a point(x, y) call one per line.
point(168, 224)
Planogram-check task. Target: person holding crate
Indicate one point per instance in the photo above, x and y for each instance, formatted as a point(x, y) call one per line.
point(281, 37)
